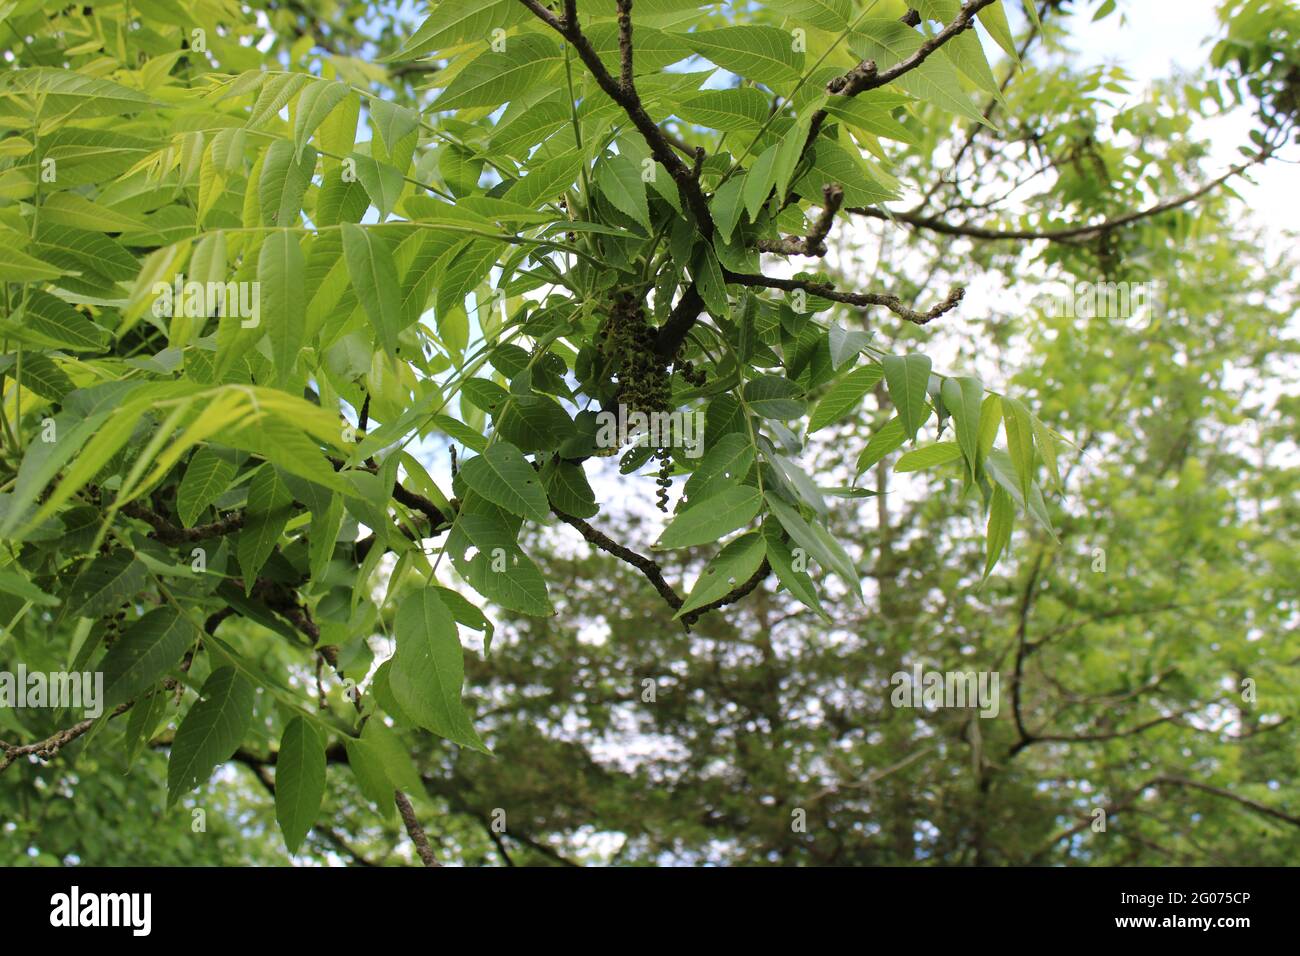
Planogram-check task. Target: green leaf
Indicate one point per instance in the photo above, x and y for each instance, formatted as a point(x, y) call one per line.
point(145, 653)
point(728, 510)
point(277, 90)
point(463, 269)
point(999, 467)
point(286, 174)
point(500, 571)
point(382, 181)
point(323, 535)
point(888, 42)
point(725, 464)
point(18, 266)
point(994, 19)
point(1020, 441)
point(772, 396)
point(1045, 439)
point(759, 181)
point(875, 116)
point(207, 476)
point(732, 566)
point(907, 377)
point(429, 668)
point(566, 485)
point(43, 377)
point(1002, 515)
point(844, 396)
point(619, 178)
point(788, 153)
point(779, 555)
point(495, 77)
point(72, 95)
point(888, 438)
point(299, 781)
point(726, 110)
point(832, 15)
point(708, 274)
point(726, 206)
point(832, 163)
point(105, 584)
point(503, 476)
point(367, 764)
point(58, 325)
point(270, 505)
point(315, 104)
point(939, 453)
point(392, 122)
point(374, 278)
point(990, 421)
point(454, 22)
point(393, 756)
point(211, 731)
point(760, 53)
point(845, 344)
point(962, 397)
point(817, 542)
point(280, 268)
point(546, 180)
point(20, 587)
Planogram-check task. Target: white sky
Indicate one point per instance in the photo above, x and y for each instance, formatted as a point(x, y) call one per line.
point(1154, 39)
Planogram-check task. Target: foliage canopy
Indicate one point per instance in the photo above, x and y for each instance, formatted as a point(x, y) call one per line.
point(490, 231)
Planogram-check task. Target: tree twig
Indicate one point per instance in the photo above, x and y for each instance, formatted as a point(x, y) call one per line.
point(414, 830)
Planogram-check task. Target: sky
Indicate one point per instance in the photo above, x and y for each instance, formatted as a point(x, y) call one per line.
point(1154, 39)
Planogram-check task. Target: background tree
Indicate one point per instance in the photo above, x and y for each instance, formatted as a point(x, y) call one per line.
point(546, 213)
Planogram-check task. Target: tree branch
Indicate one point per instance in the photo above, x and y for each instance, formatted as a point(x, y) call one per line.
point(414, 830)
point(628, 98)
point(814, 244)
point(646, 566)
point(171, 534)
point(861, 299)
point(1072, 234)
point(865, 76)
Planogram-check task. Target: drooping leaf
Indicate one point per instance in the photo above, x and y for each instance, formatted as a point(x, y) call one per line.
point(299, 781)
point(211, 731)
point(428, 668)
point(907, 377)
point(374, 278)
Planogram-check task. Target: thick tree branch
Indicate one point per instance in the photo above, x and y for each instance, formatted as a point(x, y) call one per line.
point(625, 44)
point(171, 534)
point(628, 98)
